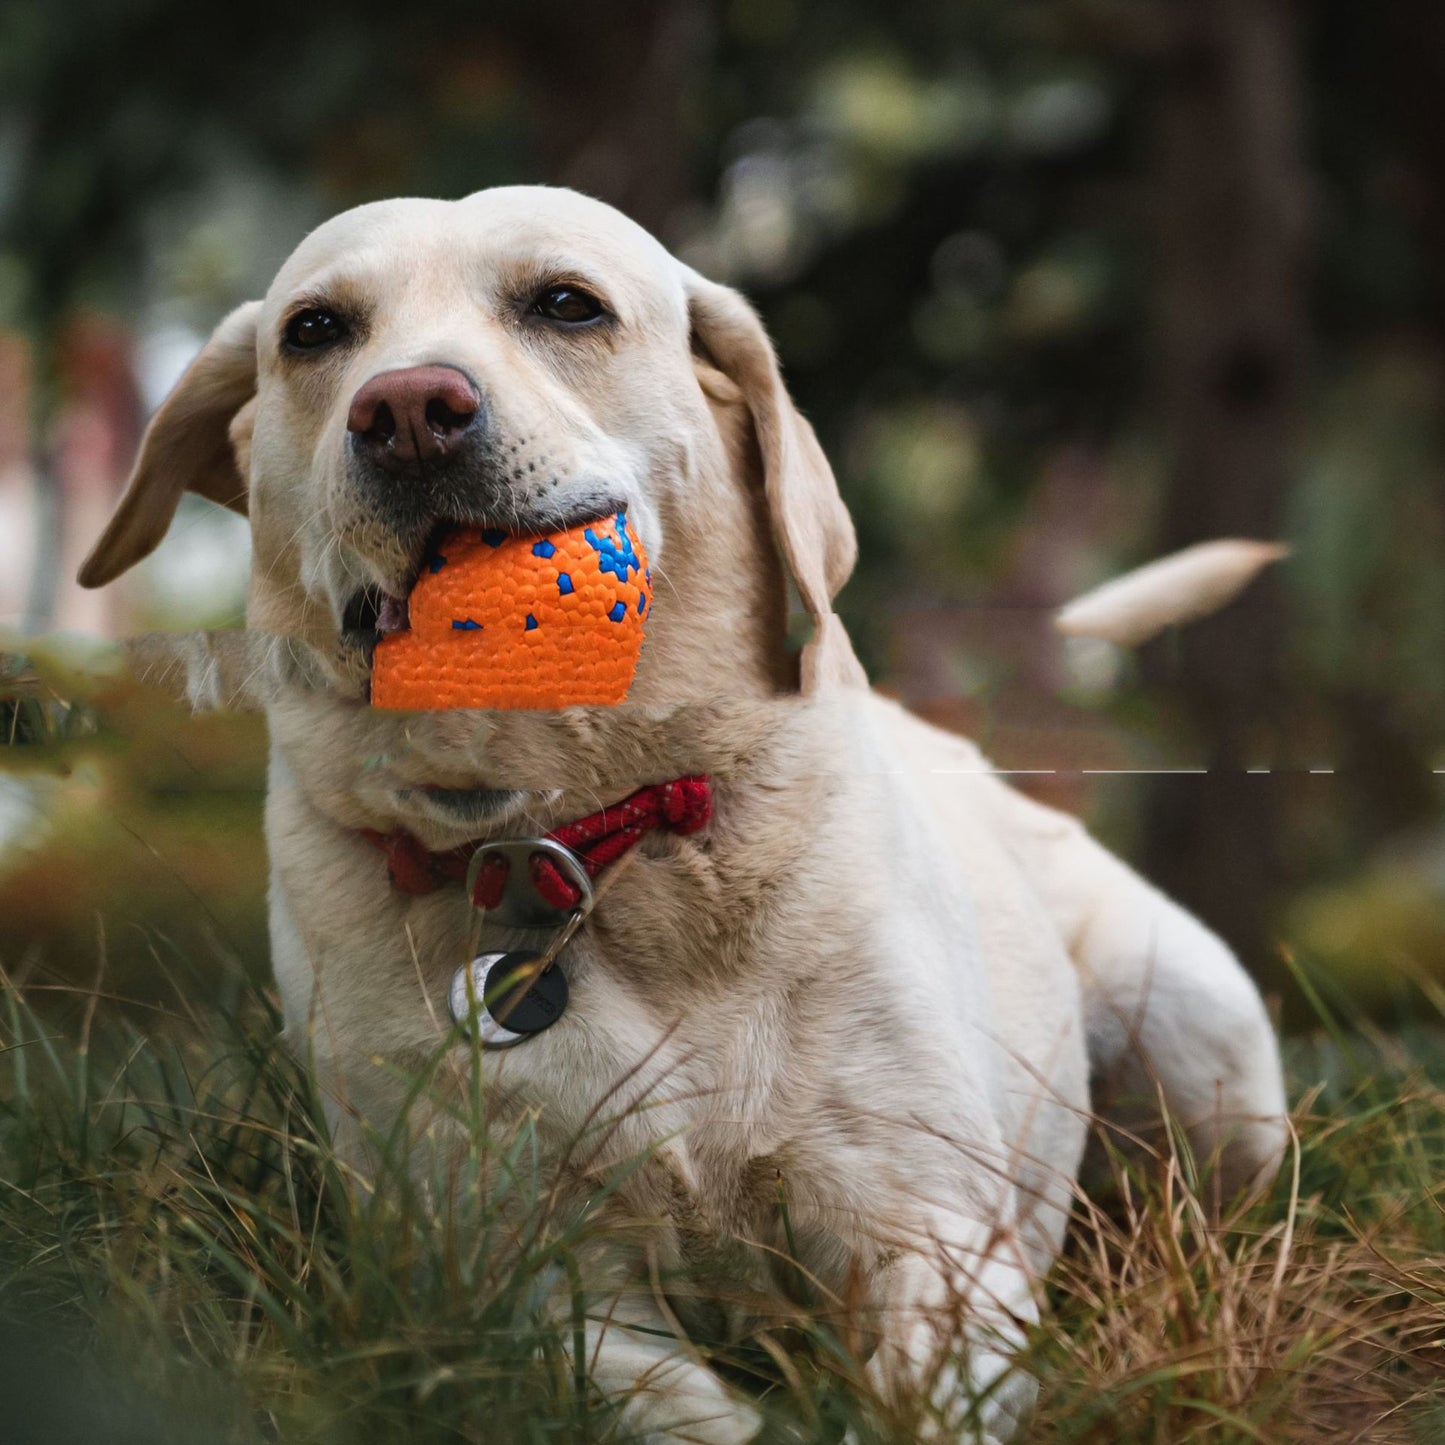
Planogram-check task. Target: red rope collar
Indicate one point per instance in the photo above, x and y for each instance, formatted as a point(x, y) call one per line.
point(683, 806)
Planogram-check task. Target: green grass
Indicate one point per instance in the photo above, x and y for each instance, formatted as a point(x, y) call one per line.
point(181, 1260)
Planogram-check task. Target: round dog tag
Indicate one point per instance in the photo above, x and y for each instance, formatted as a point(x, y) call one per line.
point(512, 1001)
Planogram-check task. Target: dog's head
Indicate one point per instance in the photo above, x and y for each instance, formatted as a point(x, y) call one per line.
point(526, 359)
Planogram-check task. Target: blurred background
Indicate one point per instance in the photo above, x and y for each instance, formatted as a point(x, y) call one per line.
point(1063, 285)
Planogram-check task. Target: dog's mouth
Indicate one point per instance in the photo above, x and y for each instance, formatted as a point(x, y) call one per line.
point(372, 613)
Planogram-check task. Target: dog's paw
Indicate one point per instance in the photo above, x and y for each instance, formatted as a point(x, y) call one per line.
point(692, 1417)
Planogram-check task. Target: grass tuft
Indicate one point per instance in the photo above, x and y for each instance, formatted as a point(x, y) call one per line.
point(181, 1260)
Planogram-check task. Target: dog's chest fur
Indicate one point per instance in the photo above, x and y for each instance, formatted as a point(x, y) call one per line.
point(738, 1133)
point(726, 1028)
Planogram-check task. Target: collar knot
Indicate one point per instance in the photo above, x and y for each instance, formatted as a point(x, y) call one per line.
point(686, 804)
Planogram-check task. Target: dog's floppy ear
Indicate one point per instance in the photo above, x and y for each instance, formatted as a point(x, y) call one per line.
point(186, 447)
point(813, 529)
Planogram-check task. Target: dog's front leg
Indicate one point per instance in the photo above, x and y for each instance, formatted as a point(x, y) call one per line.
point(957, 1302)
point(664, 1393)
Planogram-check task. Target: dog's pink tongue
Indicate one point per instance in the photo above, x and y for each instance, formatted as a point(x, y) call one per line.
point(394, 614)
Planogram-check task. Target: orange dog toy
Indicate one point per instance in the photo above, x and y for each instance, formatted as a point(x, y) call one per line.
point(520, 622)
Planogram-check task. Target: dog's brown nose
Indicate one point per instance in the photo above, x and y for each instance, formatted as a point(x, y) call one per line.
point(416, 413)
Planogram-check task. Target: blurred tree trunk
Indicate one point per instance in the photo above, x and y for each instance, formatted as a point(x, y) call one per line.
point(616, 83)
point(1230, 201)
point(1415, 44)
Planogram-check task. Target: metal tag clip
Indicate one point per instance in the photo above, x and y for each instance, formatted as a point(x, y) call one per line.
point(521, 906)
point(508, 994)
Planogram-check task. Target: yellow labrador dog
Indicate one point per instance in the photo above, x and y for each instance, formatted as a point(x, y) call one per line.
point(876, 974)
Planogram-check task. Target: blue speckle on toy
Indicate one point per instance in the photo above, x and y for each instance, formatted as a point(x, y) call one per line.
point(435, 563)
point(615, 556)
point(465, 624)
point(494, 537)
point(544, 548)
point(531, 622)
point(564, 584)
point(617, 611)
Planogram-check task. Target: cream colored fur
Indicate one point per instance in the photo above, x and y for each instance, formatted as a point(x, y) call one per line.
point(879, 976)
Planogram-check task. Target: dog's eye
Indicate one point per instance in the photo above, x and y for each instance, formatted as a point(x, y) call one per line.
point(314, 328)
point(569, 304)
